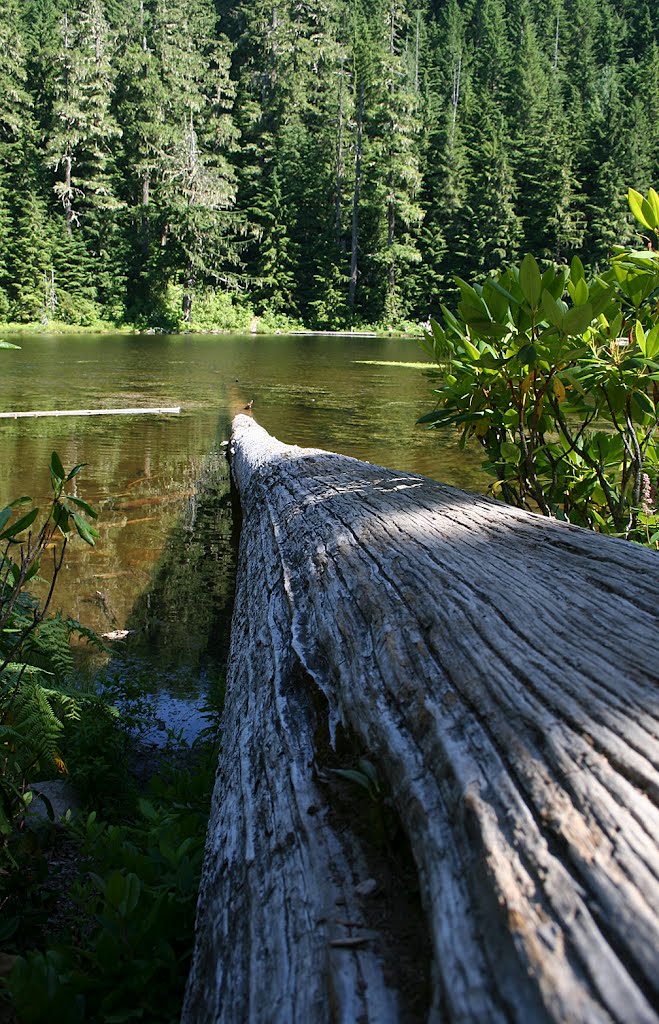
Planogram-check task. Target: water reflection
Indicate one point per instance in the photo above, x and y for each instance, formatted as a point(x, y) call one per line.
point(164, 561)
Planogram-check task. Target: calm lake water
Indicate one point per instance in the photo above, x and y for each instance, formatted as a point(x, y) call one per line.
point(164, 563)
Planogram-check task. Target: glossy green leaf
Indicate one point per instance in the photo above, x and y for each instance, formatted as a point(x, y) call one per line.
point(580, 296)
point(641, 209)
point(644, 403)
point(471, 350)
point(552, 310)
point(86, 531)
point(504, 292)
point(652, 342)
point(20, 525)
point(527, 355)
point(653, 200)
point(577, 319)
point(56, 467)
point(452, 321)
point(600, 299)
point(76, 470)
point(510, 452)
point(489, 329)
point(88, 509)
point(577, 272)
point(530, 280)
point(61, 518)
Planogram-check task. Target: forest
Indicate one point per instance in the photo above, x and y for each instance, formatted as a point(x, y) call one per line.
point(321, 162)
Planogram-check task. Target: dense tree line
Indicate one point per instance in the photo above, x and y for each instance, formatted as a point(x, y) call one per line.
point(335, 161)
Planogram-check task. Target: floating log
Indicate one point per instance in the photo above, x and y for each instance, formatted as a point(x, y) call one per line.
point(90, 412)
point(500, 670)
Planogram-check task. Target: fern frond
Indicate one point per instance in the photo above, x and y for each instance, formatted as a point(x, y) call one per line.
point(64, 705)
point(85, 633)
point(49, 647)
point(38, 726)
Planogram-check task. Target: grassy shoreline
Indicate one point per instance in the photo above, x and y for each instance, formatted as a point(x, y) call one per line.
point(59, 327)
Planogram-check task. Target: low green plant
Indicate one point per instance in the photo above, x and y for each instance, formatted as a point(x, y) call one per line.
point(562, 395)
point(129, 954)
point(96, 749)
point(35, 656)
point(217, 310)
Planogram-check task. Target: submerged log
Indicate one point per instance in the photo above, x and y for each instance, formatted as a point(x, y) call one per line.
point(159, 410)
point(500, 669)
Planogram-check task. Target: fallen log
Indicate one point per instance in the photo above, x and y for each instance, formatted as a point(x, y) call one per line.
point(159, 410)
point(500, 670)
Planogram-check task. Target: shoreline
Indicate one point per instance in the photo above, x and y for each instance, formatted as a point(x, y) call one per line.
point(57, 329)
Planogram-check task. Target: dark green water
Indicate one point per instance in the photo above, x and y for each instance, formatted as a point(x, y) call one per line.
point(164, 562)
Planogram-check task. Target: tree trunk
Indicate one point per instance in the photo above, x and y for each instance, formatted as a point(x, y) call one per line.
point(500, 670)
point(69, 214)
point(355, 205)
point(339, 166)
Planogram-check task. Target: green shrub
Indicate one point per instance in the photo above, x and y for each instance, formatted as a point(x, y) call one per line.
point(561, 395)
point(215, 310)
point(137, 907)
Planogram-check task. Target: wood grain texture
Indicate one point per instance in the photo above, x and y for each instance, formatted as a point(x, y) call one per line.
point(501, 670)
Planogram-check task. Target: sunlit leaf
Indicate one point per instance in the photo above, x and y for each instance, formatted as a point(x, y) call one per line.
point(577, 272)
point(552, 310)
point(20, 525)
point(530, 280)
point(641, 209)
point(87, 532)
point(577, 319)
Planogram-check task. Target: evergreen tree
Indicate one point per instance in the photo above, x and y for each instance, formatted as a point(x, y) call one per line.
point(550, 198)
point(446, 242)
point(391, 215)
point(83, 131)
point(30, 263)
point(341, 159)
point(5, 242)
point(15, 101)
point(198, 186)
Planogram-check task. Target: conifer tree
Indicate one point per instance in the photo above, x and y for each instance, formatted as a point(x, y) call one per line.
point(15, 101)
point(446, 233)
point(390, 212)
point(263, 61)
point(84, 130)
point(198, 187)
point(30, 262)
point(385, 146)
point(5, 242)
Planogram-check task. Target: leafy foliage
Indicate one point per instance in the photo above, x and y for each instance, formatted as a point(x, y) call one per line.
point(133, 941)
point(562, 395)
point(35, 654)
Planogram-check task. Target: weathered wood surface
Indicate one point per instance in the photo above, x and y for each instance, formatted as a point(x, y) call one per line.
point(501, 669)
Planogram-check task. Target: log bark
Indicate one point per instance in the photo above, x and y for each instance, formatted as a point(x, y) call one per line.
point(160, 410)
point(501, 670)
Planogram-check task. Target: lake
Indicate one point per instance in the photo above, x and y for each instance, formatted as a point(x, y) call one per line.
point(165, 561)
